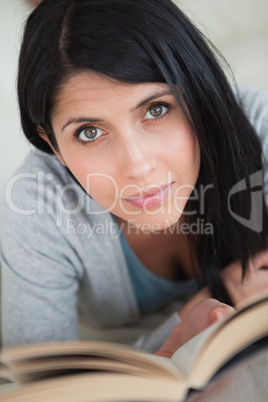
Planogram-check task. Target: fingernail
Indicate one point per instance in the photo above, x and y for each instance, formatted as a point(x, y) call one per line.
point(220, 314)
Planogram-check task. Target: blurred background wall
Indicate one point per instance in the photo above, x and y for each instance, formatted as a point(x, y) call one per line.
point(239, 28)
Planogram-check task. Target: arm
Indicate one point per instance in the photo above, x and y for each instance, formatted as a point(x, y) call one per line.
point(201, 311)
point(240, 289)
point(39, 283)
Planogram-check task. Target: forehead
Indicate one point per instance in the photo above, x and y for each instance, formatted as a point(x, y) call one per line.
point(92, 87)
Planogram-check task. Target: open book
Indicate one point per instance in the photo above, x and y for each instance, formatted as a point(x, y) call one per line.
point(98, 371)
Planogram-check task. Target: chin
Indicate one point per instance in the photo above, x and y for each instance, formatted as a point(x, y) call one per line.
point(153, 223)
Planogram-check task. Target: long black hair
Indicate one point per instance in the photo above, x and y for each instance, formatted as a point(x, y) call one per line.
point(137, 41)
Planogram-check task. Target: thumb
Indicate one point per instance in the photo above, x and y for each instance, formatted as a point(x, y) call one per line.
point(203, 314)
point(206, 313)
point(219, 311)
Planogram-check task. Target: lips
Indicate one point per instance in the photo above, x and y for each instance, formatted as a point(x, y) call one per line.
point(150, 198)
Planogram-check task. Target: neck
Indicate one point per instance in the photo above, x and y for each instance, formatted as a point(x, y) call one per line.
point(167, 253)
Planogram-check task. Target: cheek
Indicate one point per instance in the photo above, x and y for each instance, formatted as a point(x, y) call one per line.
point(93, 172)
point(103, 188)
point(195, 155)
point(81, 163)
point(183, 152)
point(97, 180)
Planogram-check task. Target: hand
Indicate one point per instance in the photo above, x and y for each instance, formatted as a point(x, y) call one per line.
point(202, 294)
point(198, 318)
point(255, 281)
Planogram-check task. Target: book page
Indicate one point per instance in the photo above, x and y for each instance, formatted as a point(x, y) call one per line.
point(202, 356)
point(30, 362)
point(242, 331)
point(186, 355)
point(102, 387)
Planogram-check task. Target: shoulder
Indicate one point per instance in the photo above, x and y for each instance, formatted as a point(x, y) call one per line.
point(41, 183)
point(255, 105)
point(252, 98)
point(51, 221)
point(42, 196)
point(40, 165)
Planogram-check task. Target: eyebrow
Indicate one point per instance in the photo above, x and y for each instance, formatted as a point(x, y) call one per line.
point(80, 120)
point(139, 105)
point(152, 97)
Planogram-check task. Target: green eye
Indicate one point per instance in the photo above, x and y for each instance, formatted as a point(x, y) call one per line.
point(156, 111)
point(89, 134)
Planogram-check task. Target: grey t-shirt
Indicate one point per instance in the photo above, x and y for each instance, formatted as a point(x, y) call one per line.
point(61, 255)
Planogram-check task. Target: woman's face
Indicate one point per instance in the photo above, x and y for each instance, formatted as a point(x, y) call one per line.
point(129, 146)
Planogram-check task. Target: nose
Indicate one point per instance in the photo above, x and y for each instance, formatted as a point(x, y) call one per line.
point(136, 158)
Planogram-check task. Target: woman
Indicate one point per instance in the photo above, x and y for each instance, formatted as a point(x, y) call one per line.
point(139, 190)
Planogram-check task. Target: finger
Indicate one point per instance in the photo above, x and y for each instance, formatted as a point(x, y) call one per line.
point(219, 312)
point(206, 313)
